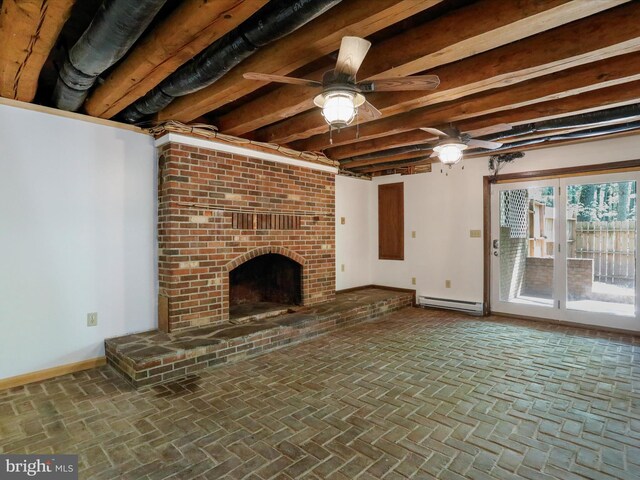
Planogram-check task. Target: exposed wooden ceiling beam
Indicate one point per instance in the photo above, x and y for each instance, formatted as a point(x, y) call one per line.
point(411, 137)
point(192, 27)
point(593, 76)
point(415, 160)
point(516, 62)
point(422, 160)
point(446, 39)
point(28, 32)
point(320, 37)
point(386, 159)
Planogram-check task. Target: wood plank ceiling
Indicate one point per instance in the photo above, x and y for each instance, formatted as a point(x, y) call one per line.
point(502, 65)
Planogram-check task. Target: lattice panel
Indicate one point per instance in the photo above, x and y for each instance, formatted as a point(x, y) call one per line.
point(514, 212)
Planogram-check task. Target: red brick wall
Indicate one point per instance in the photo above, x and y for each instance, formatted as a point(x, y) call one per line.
point(198, 189)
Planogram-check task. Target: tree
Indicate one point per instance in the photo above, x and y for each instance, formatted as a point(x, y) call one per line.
point(588, 204)
point(624, 190)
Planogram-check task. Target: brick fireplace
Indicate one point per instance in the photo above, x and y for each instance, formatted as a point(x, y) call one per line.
point(234, 229)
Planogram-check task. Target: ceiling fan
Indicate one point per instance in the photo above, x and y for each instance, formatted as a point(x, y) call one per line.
point(452, 142)
point(342, 97)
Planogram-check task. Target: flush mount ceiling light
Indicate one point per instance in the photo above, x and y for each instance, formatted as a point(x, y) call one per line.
point(340, 106)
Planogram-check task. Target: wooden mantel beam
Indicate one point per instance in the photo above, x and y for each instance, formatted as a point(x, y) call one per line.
point(585, 78)
point(28, 31)
point(516, 62)
point(192, 27)
point(320, 37)
point(446, 39)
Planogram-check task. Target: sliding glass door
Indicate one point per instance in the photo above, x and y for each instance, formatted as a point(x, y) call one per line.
point(601, 249)
point(567, 249)
point(524, 248)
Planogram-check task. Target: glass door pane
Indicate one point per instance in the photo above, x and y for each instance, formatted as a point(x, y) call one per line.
point(527, 245)
point(601, 247)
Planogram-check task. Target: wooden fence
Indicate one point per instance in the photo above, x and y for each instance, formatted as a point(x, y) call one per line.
point(611, 245)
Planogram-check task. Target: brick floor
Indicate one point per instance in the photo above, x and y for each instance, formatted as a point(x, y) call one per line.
point(416, 394)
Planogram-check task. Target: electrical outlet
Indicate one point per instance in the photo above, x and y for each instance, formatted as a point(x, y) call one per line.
point(92, 319)
point(343, 220)
point(413, 280)
point(342, 267)
point(447, 283)
point(413, 234)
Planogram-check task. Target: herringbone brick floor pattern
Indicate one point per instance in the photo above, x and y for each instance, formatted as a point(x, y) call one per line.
point(416, 394)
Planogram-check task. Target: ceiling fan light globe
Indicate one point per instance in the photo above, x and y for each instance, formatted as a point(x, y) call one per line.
point(339, 108)
point(450, 153)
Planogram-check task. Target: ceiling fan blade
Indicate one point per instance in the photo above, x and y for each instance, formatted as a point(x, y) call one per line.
point(417, 82)
point(265, 77)
point(368, 112)
point(351, 54)
point(484, 144)
point(434, 131)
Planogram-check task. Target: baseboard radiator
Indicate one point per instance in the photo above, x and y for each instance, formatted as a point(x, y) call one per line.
point(472, 308)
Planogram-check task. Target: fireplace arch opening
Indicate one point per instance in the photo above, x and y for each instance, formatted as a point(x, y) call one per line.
point(263, 285)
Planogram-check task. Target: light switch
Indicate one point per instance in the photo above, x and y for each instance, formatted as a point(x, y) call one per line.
point(343, 220)
point(475, 233)
point(413, 234)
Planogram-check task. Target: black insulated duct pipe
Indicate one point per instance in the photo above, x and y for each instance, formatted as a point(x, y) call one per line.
point(114, 29)
point(275, 20)
point(590, 132)
point(590, 119)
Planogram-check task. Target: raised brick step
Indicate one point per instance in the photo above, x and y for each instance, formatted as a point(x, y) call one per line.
point(153, 357)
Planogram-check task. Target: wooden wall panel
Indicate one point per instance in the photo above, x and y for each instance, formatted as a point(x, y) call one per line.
point(391, 221)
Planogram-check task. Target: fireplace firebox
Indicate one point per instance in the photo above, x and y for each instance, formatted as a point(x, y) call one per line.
point(264, 284)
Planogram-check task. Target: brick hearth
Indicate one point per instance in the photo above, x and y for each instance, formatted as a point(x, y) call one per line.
point(217, 210)
point(154, 357)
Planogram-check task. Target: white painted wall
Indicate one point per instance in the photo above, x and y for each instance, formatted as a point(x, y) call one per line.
point(77, 235)
point(442, 209)
point(353, 242)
